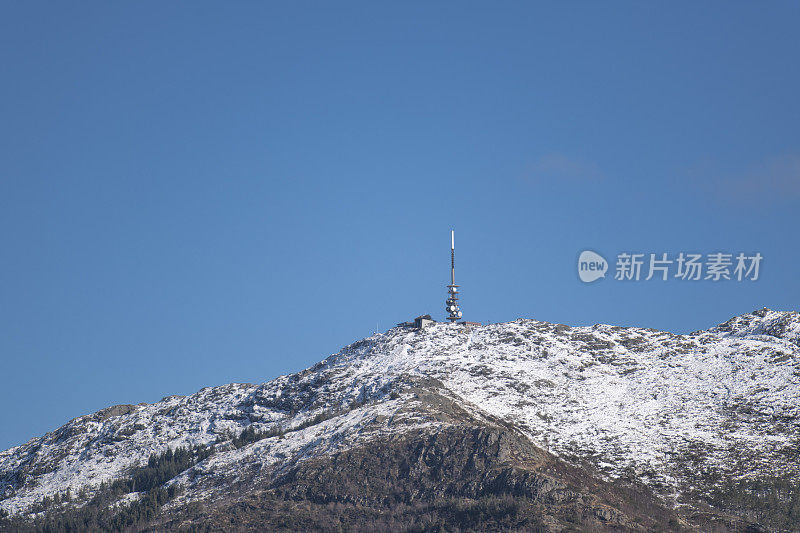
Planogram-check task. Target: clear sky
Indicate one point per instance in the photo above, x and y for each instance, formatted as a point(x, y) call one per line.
point(197, 193)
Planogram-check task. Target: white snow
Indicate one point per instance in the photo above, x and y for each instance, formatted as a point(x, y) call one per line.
point(619, 398)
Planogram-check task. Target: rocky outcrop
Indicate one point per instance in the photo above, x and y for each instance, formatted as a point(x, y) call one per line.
point(495, 476)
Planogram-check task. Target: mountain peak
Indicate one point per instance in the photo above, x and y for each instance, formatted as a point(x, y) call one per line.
point(672, 413)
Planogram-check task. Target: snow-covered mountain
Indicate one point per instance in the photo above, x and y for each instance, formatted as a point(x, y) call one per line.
point(695, 419)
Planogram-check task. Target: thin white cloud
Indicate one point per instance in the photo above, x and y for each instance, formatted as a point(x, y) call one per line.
point(775, 179)
point(559, 168)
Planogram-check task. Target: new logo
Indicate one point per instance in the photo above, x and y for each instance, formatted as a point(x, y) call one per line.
point(591, 266)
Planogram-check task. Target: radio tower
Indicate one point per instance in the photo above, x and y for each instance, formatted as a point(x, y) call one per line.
point(452, 289)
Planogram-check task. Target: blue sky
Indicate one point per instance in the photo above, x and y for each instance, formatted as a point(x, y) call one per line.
point(198, 193)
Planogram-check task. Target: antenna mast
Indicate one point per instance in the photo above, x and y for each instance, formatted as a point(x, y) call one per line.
point(452, 289)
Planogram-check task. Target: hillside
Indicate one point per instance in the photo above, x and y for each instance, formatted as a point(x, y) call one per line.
point(524, 425)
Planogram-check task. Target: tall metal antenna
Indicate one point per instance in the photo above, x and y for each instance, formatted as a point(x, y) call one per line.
point(452, 289)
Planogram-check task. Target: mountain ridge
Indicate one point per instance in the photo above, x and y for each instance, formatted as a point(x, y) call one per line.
point(677, 414)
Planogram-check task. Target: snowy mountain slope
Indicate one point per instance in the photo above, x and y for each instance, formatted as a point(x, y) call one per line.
point(679, 413)
point(763, 323)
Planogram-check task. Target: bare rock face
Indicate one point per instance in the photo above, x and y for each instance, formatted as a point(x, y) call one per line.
point(524, 426)
point(479, 478)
